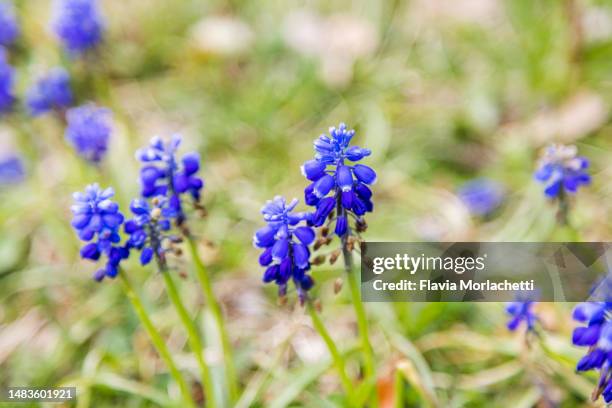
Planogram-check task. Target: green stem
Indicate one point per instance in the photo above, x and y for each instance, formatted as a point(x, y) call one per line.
point(398, 390)
point(193, 337)
point(156, 339)
point(333, 350)
point(362, 320)
point(204, 279)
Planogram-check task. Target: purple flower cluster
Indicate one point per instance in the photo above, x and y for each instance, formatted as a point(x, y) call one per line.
point(285, 241)
point(148, 229)
point(11, 170)
point(78, 24)
point(163, 175)
point(51, 91)
point(562, 170)
point(97, 221)
point(481, 196)
point(597, 336)
point(521, 311)
point(88, 130)
point(9, 28)
point(7, 84)
point(337, 184)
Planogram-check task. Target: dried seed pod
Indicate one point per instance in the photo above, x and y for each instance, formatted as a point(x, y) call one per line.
point(333, 257)
point(318, 260)
point(282, 300)
point(324, 231)
point(361, 225)
point(317, 305)
point(318, 244)
point(338, 285)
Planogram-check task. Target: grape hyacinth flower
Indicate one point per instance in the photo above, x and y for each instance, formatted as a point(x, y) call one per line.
point(11, 170)
point(52, 91)
point(562, 170)
point(597, 336)
point(7, 83)
point(481, 196)
point(521, 311)
point(88, 130)
point(337, 184)
point(148, 230)
point(78, 24)
point(97, 221)
point(9, 28)
point(163, 175)
point(285, 241)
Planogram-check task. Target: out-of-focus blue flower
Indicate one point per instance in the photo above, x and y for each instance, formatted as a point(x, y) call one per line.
point(148, 229)
point(78, 24)
point(519, 312)
point(9, 28)
point(562, 170)
point(163, 175)
point(51, 91)
point(88, 130)
point(336, 183)
point(97, 221)
point(285, 240)
point(481, 196)
point(7, 84)
point(11, 170)
point(597, 336)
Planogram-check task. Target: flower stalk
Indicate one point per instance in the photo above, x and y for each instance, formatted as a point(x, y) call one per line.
point(333, 350)
point(215, 309)
point(195, 342)
point(156, 339)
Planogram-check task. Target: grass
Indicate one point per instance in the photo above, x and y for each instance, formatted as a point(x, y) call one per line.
point(445, 96)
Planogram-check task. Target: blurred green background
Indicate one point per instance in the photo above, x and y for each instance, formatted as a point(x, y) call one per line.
point(442, 91)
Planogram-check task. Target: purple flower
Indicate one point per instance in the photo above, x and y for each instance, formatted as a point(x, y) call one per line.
point(148, 230)
point(336, 183)
point(78, 24)
point(164, 175)
point(481, 196)
point(7, 84)
point(11, 170)
point(285, 240)
point(97, 221)
point(52, 91)
point(562, 170)
point(521, 312)
point(88, 130)
point(596, 334)
point(9, 28)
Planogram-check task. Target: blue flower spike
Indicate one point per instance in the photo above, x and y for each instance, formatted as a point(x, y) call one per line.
point(163, 174)
point(7, 84)
point(596, 334)
point(148, 231)
point(285, 241)
point(51, 92)
point(78, 24)
point(481, 196)
point(521, 312)
point(97, 221)
point(9, 27)
point(88, 130)
point(11, 170)
point(340, 187)
point(562, 172)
